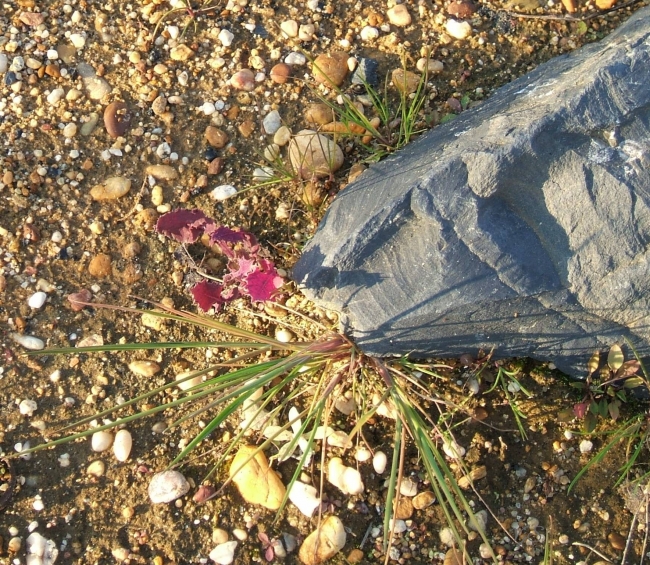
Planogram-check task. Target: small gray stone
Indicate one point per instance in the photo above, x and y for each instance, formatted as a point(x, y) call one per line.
point(272, 122)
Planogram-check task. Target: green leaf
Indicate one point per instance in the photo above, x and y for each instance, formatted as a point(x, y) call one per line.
point(593, 408)
point(464, 101)
point(615, 357)
point(592, 364)
point(447, 118)
point(579, 386)
point(633, 382)
point(590, 422)
point(620, 394)
point(581, 28)
point(602, 408)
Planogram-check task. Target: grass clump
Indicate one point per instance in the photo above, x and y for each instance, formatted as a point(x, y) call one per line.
point(285, 394)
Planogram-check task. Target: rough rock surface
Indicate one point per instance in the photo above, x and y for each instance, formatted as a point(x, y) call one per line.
point(522, 225)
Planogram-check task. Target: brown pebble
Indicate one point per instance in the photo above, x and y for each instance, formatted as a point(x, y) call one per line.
point(355, 556)
point(616, 540)
point(404, 508)
point(146, 218)
point(216, 166)
point(52, 71)
point(117, 119)
point(423, 500)
point(132, 250)
point(203, 493)
point(280, 73)
point(32, 19)
point(480, 413)
point(405, 81)
point(246, 128)
point(216, 137)
point(461, 9)
point(319, 113)
point(100, 266)
point(330, 69)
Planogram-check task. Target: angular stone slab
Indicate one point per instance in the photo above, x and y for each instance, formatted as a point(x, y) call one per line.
point(522, 225)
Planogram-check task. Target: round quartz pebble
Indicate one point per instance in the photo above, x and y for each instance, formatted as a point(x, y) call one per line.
point(226, 37)
point(458, 30)
point(122, 445)
point(37, 300)
point(368, 33)
point(295, 59)
point(379, 462)
point(55, 96)
point(70, 130)
point(101, 441)
point(223, 192)
point(272, 122)
point(363, 454)
point(27, 407)
point(167, 487)
point(224, 553)
point(408, 487)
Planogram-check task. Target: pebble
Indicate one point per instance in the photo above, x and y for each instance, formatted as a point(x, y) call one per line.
point(363, 454)
point(305, 498)
point(144, 368)
point(96, 469)
point(272, 122)
point(27, 407)
point(282, 136)
point(89, 125)
point(55, 96)
point(223, 192)
point(159, 105)
point(157, 196)
point(586, 446)
point(162, 172)
point(283, 335)
point(617, 541)
point(272, 153)
point(14, 545)
point(330, 69)
point(447, 537)
point(319, 113)
point(4, 62)
point(216, 166)
point(306, 32)
point(122, 445)
point(314, 155)
point(403, 510)
point(379, 462)
point(324, 543)
point(346, 479)
point(111, 189)
point(97, 87)
point(78, 40)
point(295, 58)
point(167, 487)
point(181, 53)
point(117, 119)
point(224, 553)
point(40, 551)
point(430, 65)
point(100, 266)
point(240, 534)
point(458, 30)
point(216, 137)
point(423, 500)
point(453, 450)
point(399, 15)
point(219, 536)
point(289, 28)
point(70, 130)
point(243, 80)
point(28, 341)
point(462, 9)
point(408, 487)
point(101, 441)
point(37, 300)
point(405, 81)
point(226, 37)
point(368, 33)
point(255, 480)
point(280, 73)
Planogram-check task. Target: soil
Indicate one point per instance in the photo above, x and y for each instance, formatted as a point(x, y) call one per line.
point(51, 229)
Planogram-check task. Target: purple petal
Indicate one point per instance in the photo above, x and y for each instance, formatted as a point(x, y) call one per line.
point(261, 286)
point(207, 294)
point(185, 226)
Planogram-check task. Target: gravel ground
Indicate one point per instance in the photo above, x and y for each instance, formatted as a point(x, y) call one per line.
point(91, 91)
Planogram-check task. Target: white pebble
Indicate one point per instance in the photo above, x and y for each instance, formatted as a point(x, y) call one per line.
point(78, 40)
point(122, 445)
point(4, 63)
point(240, 534)
point(586, 446)
point(57, 236)
point(224, 553)
point(305, 498)
point(96, 468)
point(40, 551)
point(208, 108)
point(27, 407)
point(101, 441)
point(283, 335)
point(55, 96)
point(38, 505)
point(174, 31)
point(458, 30)
point(363, 454)
point(453, 450)
point(295, 59)
point(379, 462)
point(223, 192)
point(408, 487)
point(52, 54)
point(167, 487)
point(447, 537)
point(368, 33)
point(37, 300)
point(70, 130)
point(226, 37)
point(399, 526)
point(27, 341)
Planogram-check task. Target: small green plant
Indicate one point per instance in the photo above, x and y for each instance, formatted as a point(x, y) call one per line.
point(605, 389)
point(183, 7)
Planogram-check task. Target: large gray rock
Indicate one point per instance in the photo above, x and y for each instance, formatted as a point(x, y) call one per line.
point(522, 225)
